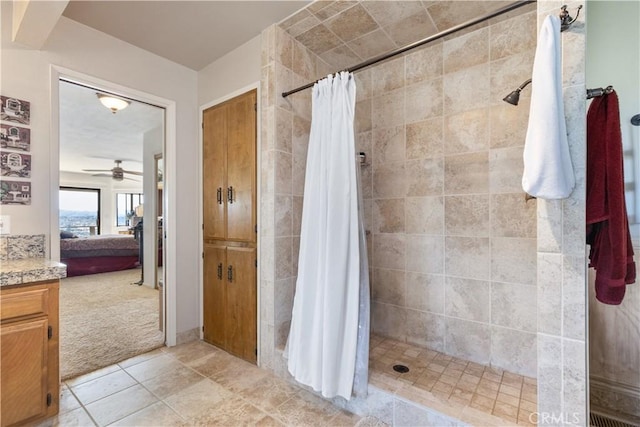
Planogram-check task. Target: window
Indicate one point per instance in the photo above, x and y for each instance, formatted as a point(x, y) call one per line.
point(80, 210)
point(125, 206)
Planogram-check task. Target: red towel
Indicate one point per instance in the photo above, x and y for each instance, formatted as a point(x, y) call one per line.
point(607, 223)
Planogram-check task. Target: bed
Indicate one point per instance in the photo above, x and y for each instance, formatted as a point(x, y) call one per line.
point(99, 254)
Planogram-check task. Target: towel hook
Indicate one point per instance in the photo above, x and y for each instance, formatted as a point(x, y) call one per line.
point(565, 19)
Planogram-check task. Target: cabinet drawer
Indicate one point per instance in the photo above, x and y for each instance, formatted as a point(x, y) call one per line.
point(26, 303)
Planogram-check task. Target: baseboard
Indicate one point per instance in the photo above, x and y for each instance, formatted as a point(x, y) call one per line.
point(610, 397)
point(187, 336)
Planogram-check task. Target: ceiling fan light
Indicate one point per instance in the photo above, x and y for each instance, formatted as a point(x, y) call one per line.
point(113, 103)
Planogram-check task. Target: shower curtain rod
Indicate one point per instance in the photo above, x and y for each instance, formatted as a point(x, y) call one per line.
point(429, 39)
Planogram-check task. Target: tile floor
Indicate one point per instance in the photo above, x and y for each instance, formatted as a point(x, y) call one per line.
point(454, 382)
point(186, 385)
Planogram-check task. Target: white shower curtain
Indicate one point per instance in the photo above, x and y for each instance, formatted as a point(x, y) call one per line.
point(328, 344)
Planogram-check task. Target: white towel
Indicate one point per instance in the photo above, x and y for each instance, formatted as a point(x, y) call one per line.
point(548, 172)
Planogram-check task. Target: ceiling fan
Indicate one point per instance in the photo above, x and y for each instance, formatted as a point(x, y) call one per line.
point(117, 173)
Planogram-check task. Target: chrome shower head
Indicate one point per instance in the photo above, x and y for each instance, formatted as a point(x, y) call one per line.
point(514, 97)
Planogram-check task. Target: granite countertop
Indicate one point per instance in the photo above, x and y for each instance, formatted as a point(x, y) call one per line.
point(27, 270)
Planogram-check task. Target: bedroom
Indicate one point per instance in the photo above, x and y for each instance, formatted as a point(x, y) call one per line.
point(110, 213)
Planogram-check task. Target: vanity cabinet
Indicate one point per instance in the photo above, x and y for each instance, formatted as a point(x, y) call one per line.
point(29, 335)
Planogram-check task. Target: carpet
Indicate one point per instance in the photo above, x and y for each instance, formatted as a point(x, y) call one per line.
point(104, 319)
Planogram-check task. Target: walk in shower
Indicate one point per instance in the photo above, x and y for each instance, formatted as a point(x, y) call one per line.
point(453, 245)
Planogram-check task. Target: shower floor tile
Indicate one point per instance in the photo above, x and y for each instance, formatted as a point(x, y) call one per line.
point(452, 385)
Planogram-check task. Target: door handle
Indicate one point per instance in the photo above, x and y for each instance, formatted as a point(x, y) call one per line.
point(230, 194)
point(219, 195)
point(220, 271)
point(230, 273)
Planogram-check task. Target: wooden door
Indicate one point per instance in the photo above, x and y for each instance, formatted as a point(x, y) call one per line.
point(24, 370)
point(241, 168)
point(241, 303)
point(214, 167)
point(214, 294)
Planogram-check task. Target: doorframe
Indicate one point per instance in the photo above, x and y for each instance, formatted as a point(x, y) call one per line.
point(58, 73)
point(252, 86)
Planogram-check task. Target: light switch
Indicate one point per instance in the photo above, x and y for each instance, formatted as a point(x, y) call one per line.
point(5, 224)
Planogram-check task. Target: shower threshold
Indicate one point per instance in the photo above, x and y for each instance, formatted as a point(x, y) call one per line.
point(457, 388)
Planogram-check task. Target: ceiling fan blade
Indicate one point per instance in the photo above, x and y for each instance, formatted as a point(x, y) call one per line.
point(131, 179)
point(102, 174)
point(132, 172)
point(96, 170)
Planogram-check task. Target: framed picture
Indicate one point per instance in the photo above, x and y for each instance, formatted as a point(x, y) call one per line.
point(15, 165)
point(15, 193)
point(15, 137)
point(15, 110)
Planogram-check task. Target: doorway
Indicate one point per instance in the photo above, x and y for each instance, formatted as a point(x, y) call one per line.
point(113, 275)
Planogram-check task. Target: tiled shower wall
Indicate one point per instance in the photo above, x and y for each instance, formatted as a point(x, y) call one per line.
point(285, 127)
point(454, 242)
point(562, 279)
point(453, 248)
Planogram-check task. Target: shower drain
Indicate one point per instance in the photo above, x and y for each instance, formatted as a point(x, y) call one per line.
point(401, 368)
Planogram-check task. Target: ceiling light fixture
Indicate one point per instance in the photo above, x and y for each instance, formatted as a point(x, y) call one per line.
point(113, 103)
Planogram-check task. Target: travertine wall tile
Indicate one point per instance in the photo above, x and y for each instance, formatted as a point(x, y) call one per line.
point(424, 253)
point(467, 173)
point(466, 132)
point(424, 177)
point(424, 215)
point(424, 64)
point(549, 286)
point(512, 350)
point(389, 251)
point(467, 89)
point(425, 329)
point(425, 292)
point(513, 36)
point(468, 257)
point(424, 139)
point(513, 260)
point(468, 299)
point(389, 286)
point(388, 215)
point(466, 51)
point(423, 101)
point(512, 216)
point(508, 124)
point(505, 170)
point(549, 372)
point(387, 110)
point(468, 340)
point(467, 216)
point(283, 215)
point(388, 76)
point(389, 320)
point(513, 306)
point(388, 145)
point(389, 180)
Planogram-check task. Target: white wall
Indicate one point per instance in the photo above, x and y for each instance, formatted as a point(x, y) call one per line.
point(237, 69)
point(26, 74)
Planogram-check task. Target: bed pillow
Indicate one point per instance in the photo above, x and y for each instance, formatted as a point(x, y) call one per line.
point(67, 235)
